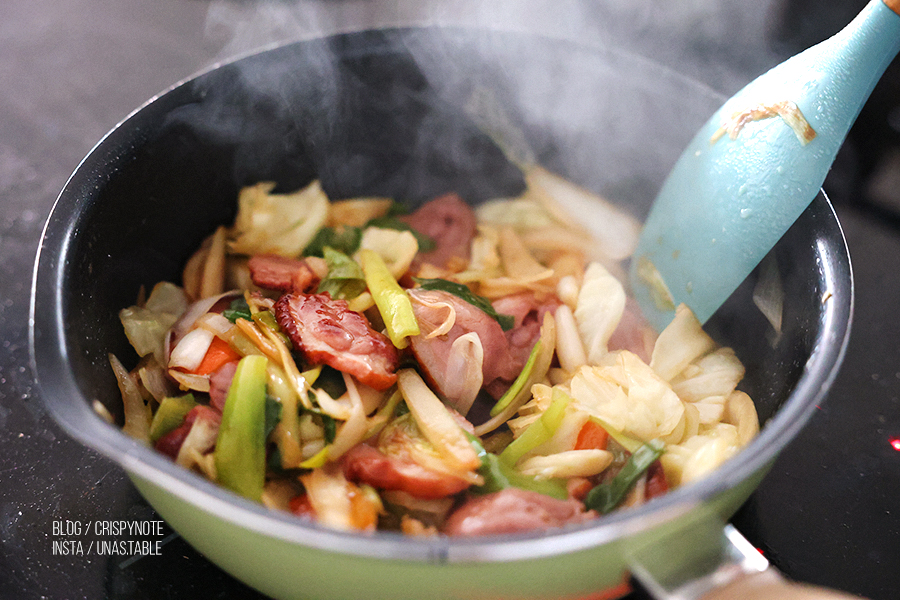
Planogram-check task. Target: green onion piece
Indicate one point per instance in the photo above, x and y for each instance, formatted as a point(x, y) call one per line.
point(240, 453)
point(539, 431)
point(344, 239)
point(273, 462)
point(426, 243)
point(329, 428)
point(345, 278)
point(605, 497)
point(331, 381)
point(239, 309)
point(170, 414)
point(498, 476)
point(274, 409)
point(329, 424)
point(392, 302)
point(395, 209)
point(518, 385)
point(462, 291)
point(267, 319)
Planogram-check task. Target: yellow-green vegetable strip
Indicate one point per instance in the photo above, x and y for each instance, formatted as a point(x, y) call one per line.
point(518, 386)
point(498, 476)
point(392, 302)
point(539, 431)
point(170, 414)
point(606, 496)
point(240, 453)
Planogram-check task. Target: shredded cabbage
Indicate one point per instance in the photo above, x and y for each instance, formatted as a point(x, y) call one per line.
point(196, 447)
point(484, 262)
point(569, 463)
point(282, 224)
point(518, 262)
point(716, 374)
point(614, 231)
point(520, 213)
point(397, 248)
point(601, 302)
point(624, 392)
point(701, 454)
point(741, 412)
point(356, 212)
point(146, 326)
point(681, 342)
point(339, 503)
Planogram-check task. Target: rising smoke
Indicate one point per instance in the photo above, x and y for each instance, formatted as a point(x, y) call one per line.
point(591, 90)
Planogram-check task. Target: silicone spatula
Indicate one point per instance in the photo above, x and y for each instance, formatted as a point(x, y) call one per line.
point(753, 168)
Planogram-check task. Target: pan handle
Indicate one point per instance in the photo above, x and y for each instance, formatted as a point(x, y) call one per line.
point(770, 585)
point(704, 559)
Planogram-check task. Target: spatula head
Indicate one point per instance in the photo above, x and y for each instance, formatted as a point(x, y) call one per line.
point(754, 167)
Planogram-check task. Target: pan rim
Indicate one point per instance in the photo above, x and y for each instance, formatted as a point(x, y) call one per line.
point(49, 364)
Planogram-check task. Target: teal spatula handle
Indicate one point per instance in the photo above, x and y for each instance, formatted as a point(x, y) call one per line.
point(727, 202)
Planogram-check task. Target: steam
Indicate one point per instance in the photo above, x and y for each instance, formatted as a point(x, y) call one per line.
point(723, 44)
point(468, 98)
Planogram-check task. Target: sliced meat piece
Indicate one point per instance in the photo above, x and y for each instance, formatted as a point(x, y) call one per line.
point(367, 464)
point(302, 507)
point(328, 332)
point(528, 311)
point(275, 272)
point(657, 485)
point(513, 511)
point(219, 382)
point(430, 308)
point(633, 333)
point(451, 223)
point(170, 443)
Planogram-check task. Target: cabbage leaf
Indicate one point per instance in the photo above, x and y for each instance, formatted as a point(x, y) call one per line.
point(282, 224)
point(628, 395)
point(146, 326)
point(601, 302)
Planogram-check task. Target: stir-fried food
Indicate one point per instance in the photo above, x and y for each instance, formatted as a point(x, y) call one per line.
point(449, 371)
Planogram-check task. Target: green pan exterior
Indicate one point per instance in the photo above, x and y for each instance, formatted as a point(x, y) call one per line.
point(294, 571)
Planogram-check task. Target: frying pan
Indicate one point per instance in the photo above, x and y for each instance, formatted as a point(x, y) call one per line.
point(410, 114)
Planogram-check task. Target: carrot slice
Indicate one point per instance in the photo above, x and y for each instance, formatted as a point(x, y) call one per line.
point(218, 354)
point(592, 436)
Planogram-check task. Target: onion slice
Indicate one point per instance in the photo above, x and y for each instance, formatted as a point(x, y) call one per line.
point(355, 427)
point(464, 374)
point(436, 422)
point(190, 350)
point(137, 412)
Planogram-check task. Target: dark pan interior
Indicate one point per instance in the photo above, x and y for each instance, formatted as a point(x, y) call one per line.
point(383, 114)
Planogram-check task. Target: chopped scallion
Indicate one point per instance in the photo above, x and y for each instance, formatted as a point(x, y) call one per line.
point(605, 497)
